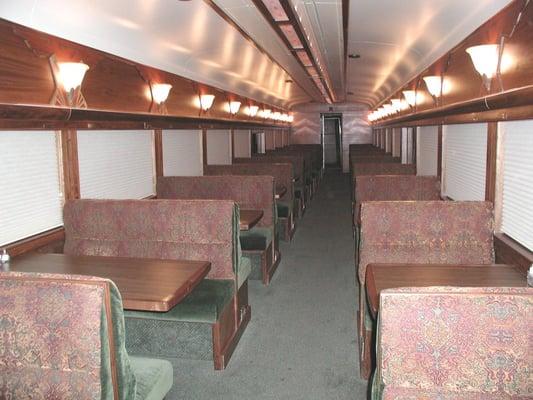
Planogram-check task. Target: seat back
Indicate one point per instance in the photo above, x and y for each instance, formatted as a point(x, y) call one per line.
point(440, 232)
point(62, 338)
point(249, 192)
point(202, 230)
point(379, 168)
point(393, 188)
point(457, 343)
point(282, 173)
point(297, 162)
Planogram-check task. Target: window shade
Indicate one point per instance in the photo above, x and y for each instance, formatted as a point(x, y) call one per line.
point(218, 147)
point(116, 164)
point(465, 158)
point(427, 150)
point(31, 200)
point(182, 153)
point(517, 199)
point(242, 143)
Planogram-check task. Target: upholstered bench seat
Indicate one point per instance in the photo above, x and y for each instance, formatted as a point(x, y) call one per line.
point(204, 304)
point(399, 393)
point(284, 209)
point(257, 238)
point(154, 377)
point(257, 247)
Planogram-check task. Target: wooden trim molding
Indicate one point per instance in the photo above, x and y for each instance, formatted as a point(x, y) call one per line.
point(204, 147)
point(439, 152)
point(35, 242)
point(510, 252)
point(158, 152)
point(490, 174)
point(70, 164)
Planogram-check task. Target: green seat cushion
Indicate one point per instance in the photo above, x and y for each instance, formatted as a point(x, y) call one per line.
point(284, 209)
point(154, 377)
point(203, 304)
point(257, 238)
point(245, 269)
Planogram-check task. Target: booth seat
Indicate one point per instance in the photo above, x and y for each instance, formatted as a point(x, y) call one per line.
point(379, 168)
point(66, 340)
point(440, 232)
point(393, 188)
point(307, 183)
point(454, 343)
point(208, 323)
point(282, 174)
point(297, 162)
point(261, 243)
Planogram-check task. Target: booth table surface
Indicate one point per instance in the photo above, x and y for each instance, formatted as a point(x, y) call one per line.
point(249, 218)
point(145, 284)
point(387, 276)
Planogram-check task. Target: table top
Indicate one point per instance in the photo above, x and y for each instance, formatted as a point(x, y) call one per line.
point(249, 218)
point(145, 284)
point(280, 191)
point(387, 276)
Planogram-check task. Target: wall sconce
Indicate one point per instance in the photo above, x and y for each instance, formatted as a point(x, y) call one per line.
point(410, 97)
point(396, 104)
point(160, 92)
point(252, 110)
point(206, 101)
point(434, 85)
point(290, 119)
point(234, 107)
point(276, 116)
point(485, 58)
point(266, 113)
point(72, 74)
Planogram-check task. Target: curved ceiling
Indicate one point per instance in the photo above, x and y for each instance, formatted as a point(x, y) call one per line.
point(396, 40)
point(188, 38)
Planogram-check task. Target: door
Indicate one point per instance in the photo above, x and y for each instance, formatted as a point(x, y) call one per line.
point(331, 141)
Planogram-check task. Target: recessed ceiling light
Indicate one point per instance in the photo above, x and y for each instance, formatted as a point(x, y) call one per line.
point(354, 55)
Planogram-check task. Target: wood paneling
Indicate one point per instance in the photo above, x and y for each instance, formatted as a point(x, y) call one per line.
point(490, 175)
point(70, 165)
point(510, 252)
point(439, 152)
point(158, 152)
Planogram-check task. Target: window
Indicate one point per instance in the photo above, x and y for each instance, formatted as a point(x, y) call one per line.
point(116, 164)
point(427, 150)
point(464, 161)
point(182, 153)
point(31, 200)
point(242, 143)
point(517, 193)
point(218, 147)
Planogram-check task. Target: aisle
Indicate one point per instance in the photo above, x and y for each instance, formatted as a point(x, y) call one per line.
point(302, 340)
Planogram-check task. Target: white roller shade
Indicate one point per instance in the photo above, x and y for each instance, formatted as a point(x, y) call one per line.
point(182, 153)
point(517, 198)
point(427, 147)
point(116, 164)
point(464, 159)
point(218, 146)
point(242, 140)
point(31, 200)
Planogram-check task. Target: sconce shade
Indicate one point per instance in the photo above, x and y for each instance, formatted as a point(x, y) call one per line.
point(266, 113)
point(485, 58)
point(160, 92)
point(234, 107)
point(410, 97)
point(252, 110)
point(396, 104)
point(206, 101)
point(276, 116)
point(71, 74)
point(291, 118)
point(434, 85)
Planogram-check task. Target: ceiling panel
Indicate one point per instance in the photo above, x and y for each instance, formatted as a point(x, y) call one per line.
point(186, 38)
point(397, 40)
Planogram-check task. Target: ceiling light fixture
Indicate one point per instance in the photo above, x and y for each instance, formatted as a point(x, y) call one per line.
point(206, 101)
point(266, 113)
point(72, 74)
point(160, 92)
point(485, 58)
point(234, 107)
point(410, 97)
point(252, 110)
point(434, 85)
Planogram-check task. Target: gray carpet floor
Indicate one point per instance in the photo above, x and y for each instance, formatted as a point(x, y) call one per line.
point(302, 340)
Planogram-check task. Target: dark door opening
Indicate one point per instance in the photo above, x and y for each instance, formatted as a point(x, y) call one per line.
point(332, 140)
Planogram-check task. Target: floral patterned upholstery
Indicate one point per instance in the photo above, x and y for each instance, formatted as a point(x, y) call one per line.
point(297, 162)
point(440, 232)
point(250, 192)
point(282, 173)
point(163, 229)
point(50, 336)
point(454, 343)
point(394, 187)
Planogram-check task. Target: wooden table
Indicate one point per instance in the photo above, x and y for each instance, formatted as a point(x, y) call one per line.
point(280, 191)
point(387, 276)
point(248, 219)
point(145, 284)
